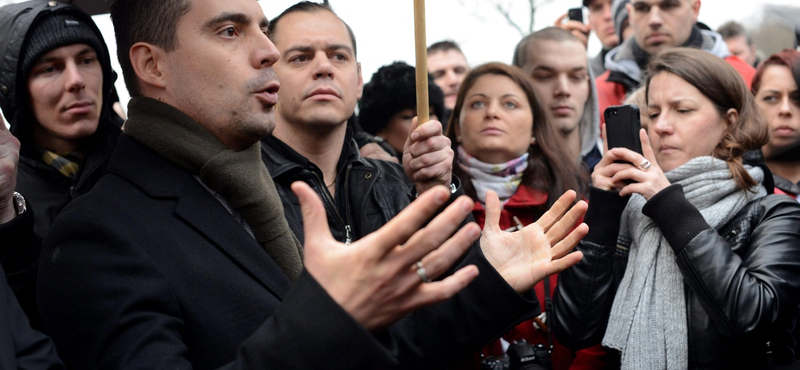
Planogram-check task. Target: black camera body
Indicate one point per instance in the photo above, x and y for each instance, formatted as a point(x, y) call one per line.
point(520, 355)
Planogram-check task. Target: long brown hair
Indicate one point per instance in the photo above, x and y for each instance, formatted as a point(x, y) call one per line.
point(720, 83)
point(550, 167)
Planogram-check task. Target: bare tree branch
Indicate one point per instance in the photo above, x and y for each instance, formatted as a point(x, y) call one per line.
point(477, 14)
point(504, 8)
point(532, 6)
point(507, 15)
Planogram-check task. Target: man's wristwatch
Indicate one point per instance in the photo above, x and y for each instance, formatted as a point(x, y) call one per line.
point(19, 203)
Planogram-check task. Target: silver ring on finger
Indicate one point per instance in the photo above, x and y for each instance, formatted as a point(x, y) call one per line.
point(423, 274)
point(645, 165)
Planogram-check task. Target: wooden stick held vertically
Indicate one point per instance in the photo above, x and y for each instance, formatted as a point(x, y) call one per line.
point(423, 107)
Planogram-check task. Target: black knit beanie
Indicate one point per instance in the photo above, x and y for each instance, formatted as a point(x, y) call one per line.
point(620, 14)
point(393, 89)
point(52, 32)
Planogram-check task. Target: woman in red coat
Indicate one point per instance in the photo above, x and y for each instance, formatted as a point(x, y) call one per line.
point(503, 143)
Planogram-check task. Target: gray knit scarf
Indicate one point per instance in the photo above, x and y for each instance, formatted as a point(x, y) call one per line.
point(241, 178)
point(648, 323)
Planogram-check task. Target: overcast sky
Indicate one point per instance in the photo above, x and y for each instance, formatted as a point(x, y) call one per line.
point(384, 28)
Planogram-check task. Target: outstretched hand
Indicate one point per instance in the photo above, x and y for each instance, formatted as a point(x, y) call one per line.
point(525, 257)
point(375, 279)
point(427, 156)
point(9, 157)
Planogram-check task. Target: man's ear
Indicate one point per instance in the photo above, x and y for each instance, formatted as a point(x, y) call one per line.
point(360, 81)
point(148, 63)
point(695, 9)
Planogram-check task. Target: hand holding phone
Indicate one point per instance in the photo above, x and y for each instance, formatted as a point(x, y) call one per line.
point(622, 128)
point(575, 14)
point(572, 21)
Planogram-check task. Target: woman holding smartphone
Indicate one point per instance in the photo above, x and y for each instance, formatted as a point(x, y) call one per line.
point(688, 262)
point(503, 143)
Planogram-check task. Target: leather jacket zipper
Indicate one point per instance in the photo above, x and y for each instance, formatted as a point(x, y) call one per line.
point(328, 199)
point(347, 230)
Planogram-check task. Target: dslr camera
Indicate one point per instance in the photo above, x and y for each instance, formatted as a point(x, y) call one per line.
point(520, 355)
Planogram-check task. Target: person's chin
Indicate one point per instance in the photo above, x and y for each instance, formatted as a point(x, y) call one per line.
point(671, 160)
point(320, 105)
point(80, 131)
point(781, 147)
point(610, 40)
point(565, 124)
point(655, 47)
point(326, 118)
point(450, 101)
point(83, 122)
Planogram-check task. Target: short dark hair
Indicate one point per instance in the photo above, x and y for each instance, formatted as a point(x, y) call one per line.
point(722, 84)
point(443, 46)
point(309, 7)
point(152, 21)
point(522, 51)
point(734, 29)
point(549, 168)
point(392, 89)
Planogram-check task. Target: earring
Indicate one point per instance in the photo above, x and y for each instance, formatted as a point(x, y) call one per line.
point(533, 140)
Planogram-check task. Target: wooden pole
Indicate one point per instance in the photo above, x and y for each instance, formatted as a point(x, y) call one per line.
point(423, 107)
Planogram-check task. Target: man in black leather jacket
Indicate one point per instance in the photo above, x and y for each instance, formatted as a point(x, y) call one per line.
point(320, 83)
point(372, 191)
point(312, 143)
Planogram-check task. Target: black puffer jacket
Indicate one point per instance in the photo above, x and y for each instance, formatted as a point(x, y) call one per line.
point(742, 281)
point(374, 190)
point(47, 191)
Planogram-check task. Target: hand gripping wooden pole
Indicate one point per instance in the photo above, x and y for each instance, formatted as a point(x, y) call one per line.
point(423, 114)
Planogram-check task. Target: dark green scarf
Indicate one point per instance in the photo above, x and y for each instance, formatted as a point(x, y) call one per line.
point(241, 178)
